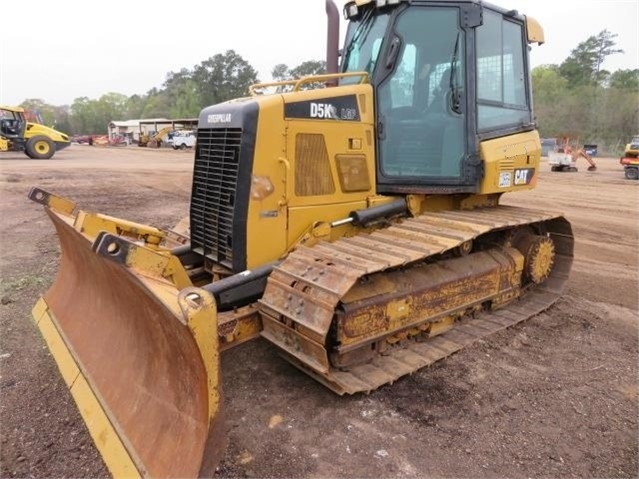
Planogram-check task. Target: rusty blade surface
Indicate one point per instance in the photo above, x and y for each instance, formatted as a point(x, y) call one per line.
point(142, 364)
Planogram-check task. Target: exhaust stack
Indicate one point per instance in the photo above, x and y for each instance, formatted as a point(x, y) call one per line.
point(332, 37)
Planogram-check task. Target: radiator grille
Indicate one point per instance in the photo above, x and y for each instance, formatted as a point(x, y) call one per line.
point(215, 177)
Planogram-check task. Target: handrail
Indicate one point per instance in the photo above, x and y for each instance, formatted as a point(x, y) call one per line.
point(297, 83)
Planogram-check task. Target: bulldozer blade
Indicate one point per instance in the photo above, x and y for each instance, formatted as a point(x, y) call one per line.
point(139, 355)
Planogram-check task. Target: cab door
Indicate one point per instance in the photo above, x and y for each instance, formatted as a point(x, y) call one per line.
point(421, 102)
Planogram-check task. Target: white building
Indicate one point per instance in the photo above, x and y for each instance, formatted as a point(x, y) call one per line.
point(132, 129)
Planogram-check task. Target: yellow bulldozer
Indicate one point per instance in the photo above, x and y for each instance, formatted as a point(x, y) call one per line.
point(356, 225)
point(37, 141)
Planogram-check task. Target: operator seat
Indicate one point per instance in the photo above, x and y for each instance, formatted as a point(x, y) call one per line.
point(11, 127)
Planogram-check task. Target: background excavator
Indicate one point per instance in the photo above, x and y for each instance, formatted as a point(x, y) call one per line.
point(566, 156)
point(356, 226)
point(154, 140)
point(36, 140)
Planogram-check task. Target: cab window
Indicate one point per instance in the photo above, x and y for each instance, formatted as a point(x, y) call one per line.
point(502, 101)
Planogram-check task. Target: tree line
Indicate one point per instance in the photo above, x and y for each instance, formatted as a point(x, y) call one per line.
point(580, 100)
point(183, 94)
point(577, 98)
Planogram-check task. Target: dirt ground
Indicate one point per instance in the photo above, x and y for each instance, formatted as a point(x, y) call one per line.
point(555, 396)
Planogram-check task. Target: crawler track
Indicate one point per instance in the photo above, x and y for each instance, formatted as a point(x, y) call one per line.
point(307, 294)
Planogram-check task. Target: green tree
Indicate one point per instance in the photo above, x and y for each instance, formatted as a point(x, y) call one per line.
point(93, 116)
point(157, 105)
point(111, 106)
point(548, 84)
point(583, 66)
point(625, 79)
point(134, 106)
point(82, 116)
point(183, 94)
point(309, 67)
point(223, 77)
point(282, 72)
point(604, 47)
point(620, 117)
point(549, 90)
point(62, 120)
point(41, 108)
point(186, 102)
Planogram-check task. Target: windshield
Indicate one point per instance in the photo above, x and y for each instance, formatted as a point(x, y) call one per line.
point(363, 42)
point(420, 105)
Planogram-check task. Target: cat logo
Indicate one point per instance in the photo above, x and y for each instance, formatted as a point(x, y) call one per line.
point(524, 176)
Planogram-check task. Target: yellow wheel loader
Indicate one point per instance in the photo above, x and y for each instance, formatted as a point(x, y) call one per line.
point(37, 141)
point(351, 219)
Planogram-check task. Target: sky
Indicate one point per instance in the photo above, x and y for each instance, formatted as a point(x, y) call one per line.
point(61, 51)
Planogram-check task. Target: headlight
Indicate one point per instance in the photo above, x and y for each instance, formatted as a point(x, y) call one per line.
point(350, 10)
point(383, 3)
point(261, 187)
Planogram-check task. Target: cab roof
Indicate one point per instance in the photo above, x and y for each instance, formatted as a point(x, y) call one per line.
point(16, 109)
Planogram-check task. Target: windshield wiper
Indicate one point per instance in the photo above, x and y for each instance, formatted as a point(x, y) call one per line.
point(362, 29)
point(455, 96)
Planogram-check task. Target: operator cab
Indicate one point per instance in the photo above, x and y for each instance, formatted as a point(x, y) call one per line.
point(445, 75)
point(12, 124)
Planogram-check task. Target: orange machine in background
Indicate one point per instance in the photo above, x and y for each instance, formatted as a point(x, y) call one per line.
point(565, 158)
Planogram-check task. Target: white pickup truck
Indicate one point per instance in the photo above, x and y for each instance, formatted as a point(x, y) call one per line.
point(182, 140)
